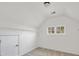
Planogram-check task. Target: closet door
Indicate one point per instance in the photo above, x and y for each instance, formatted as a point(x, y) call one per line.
point(9, 45)
point(0, 47)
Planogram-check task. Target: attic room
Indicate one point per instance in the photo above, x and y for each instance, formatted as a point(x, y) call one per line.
point(39, 28)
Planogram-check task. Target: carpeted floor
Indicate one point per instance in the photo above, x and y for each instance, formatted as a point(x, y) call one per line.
point(47, 52)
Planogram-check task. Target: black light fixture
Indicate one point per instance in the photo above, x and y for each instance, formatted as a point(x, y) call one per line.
point(46, 4)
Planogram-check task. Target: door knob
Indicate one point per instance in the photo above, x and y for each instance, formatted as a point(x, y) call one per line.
point(17, 45)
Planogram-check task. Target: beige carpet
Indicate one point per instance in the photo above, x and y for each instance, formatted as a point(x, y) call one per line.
point(47, 52)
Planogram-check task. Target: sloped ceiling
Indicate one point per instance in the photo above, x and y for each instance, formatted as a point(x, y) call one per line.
point(32, 14)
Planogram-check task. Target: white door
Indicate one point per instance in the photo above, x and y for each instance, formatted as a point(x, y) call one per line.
point(0, 47)
point(9, 45)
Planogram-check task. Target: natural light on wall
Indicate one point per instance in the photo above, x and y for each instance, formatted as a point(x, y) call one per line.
point(28, 41)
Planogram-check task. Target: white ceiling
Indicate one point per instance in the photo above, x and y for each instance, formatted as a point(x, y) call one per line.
point(32, 14)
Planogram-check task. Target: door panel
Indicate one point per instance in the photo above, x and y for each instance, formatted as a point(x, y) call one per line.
point(0, 47)
point(8, 45)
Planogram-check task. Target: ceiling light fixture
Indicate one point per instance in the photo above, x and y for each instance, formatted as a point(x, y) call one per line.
point(46, 4)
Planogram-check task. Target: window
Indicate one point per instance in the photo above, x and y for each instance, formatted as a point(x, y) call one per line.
point(60, 29)
point(56, 30)
point(51, 30)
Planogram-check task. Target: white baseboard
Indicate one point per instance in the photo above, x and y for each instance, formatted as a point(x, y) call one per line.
point(72, 52)
point(28, 51)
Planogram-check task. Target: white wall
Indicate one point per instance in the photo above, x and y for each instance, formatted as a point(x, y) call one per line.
point(68, 42)
point(27, 39)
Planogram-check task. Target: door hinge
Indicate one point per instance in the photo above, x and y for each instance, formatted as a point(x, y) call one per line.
point(0, 41)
